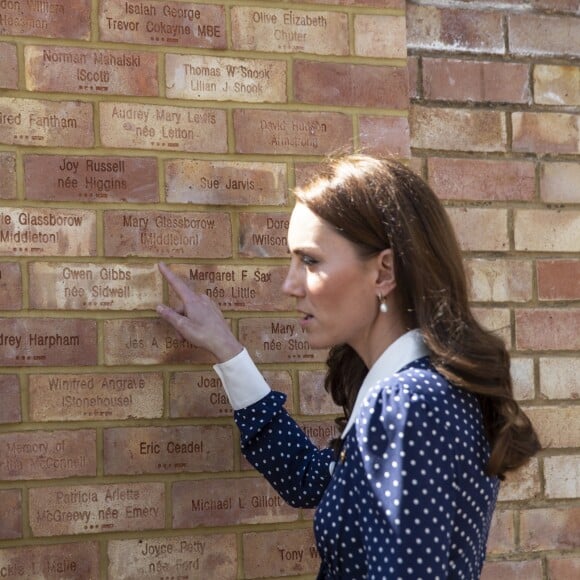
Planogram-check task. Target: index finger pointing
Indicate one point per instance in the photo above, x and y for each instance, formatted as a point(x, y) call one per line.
point(175, 281)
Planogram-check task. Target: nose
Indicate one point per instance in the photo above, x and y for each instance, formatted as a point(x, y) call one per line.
point(293, 284)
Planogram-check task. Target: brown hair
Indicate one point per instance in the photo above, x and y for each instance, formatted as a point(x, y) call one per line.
point(378, 204)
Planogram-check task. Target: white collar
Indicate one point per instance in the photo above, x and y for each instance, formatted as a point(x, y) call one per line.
point(405, 349)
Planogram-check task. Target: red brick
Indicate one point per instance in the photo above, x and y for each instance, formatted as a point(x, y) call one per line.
point(562, 475)
point(168, 234)
point(95, 179)
point(287, 132)
point(10, 411)
point(512, 570)
point(480, 229)
point(499, 280)
point(223, 502)
point(414, 76)
point(558, 279)
point(432, 28)
point(547, 230)
point(502, 532)
point(226, 182)
point(90, 509)
point(476, 81)
point(385, 136)
point(167, 24)
point(535, 35)
point(380, 35)
point(65, 20)
point(550, 529)
point(559, 377)
point(8, 66)
point(557, 427)
point(263, 235)
point(397, 4)
point(48, 341)
point(545, 132)
point(547, 329)
point(458, 129)
point(10, 286)
point(314, 400)
point(350, 85)
point(48, 454)
point(557, 5)
point(10, 516)
point(563, 567)
point(479, 179)
point(7, 175)
point(559, 182)
point(522, 484)
point(557, 85)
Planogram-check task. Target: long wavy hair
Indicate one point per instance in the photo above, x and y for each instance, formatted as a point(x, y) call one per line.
point(378, 204)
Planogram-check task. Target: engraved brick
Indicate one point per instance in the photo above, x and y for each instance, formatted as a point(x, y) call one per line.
point(90, 509)
point(10, 286)
point(225, 182)
point(502, 532)
point(562, 475)
point(7, 175)
point(8, 66)
point(549, 529)
point(280, 553)
point(559, 377)
point(163, 23)
point(281, 132)
point(481, 179)
point(380, 35)
point(522, 484)
point(480, 229)
point(559, 182)
point(314, 400)
point(457, 129)
point(534, 34)
point(51, 19)
point(80, 70)
point(263, 235)
point(548, 329)
point(351, 85)
point(47, 341)
point(59, 562)
point(277, 340)
point(41, 123)
point(48, 454)
point(499, 280)
point(10, 516)
point(557, 427)
point(558, 279)
point(201, 393)
point(274, 30)
point(522, 372)
point(200, 77)
point(221, 502)
point(134, 125)
point(175, 234)
point(557, 85)
point(546, 230)
point(47, 232)
point(168, 449)
point(86, 286)
point(10, 396)
point(563, 567)
point(148, 341)
point(320, 432)
point(514, 570)
point(207, 556)
point(385, 136)
point(82, 397)
point(546, 132)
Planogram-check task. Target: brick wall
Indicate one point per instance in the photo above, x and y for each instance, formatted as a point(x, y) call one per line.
point(137, 131)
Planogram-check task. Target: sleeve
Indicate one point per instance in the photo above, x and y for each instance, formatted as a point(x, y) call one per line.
point(407, 451)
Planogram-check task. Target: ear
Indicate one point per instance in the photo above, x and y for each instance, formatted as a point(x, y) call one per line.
point(386, 281)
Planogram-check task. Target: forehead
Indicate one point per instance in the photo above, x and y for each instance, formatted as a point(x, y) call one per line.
point(306, 228)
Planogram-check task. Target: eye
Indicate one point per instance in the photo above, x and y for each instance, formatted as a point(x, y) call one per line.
point(308, 260)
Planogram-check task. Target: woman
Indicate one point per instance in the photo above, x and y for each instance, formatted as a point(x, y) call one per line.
point(430, 425)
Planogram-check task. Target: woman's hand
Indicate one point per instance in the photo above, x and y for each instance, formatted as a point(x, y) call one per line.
point(198, 320)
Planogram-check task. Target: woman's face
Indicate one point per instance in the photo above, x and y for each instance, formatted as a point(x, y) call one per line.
point(335, 289)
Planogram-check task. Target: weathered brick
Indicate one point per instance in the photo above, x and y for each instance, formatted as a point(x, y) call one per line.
point(557, 5)
point(277, 30)
point(10, 411)
point(320, 432)
point(10, 286)
point(497, 320)
point(512, 570)
point(212, 78)
point(480, 229)
point(280, 553)
point(562, 474)
point(522, 371)
point(414, 76)
point(62, 20)
point(547, 230)
point(397, 4)
point(385, 136)
point(563, 567)
point(499, 280)
point(549, 529)
point(10, 516)
point(559, 182)
point(559, 377)
point(314, 400)
point(90, 509)
point(174, 234)
point(535, 35)
point(457, 129)
point(502, 532)
point(263, 235)
point(522, 484)
point(557, 85)
point(288, 132)
point(558, 279)
point(203, 556)
point(226, 182)
point(8, 66)
point(80, 70)
point(7, 175)
point(140, 126)
point(163, 23)
point(48, 454)
point(432, 28)
point(476, 81)
point(82, 397)
point(43, 123)
point(546, 132)
point(47, 341)
point(550, 422)
point(547, 329)
point(380, 35)
point(351, 85)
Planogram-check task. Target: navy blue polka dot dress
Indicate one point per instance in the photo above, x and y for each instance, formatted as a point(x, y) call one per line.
point(408, 496)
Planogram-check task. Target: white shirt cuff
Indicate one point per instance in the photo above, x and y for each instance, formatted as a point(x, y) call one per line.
point(243, 382)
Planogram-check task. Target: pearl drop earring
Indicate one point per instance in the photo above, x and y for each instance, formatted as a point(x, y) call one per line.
point(383, 306)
